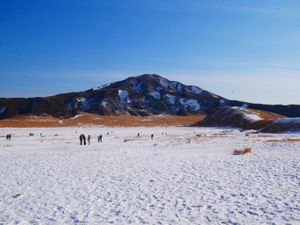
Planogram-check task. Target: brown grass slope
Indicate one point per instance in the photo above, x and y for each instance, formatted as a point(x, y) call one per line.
point(88, 119)
point(239, 118)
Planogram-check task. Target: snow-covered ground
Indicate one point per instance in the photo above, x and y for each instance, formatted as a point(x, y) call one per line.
point(188, 176)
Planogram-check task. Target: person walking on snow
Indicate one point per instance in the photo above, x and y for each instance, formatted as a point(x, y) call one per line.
point(81, 138)
point(100, 138)
point(89, 139)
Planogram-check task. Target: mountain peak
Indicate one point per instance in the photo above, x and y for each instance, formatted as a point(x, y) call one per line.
point(148, 76)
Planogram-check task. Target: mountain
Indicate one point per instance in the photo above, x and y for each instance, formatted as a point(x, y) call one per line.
point(144, 95)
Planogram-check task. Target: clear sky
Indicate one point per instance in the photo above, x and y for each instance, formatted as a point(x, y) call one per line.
point(240, 49)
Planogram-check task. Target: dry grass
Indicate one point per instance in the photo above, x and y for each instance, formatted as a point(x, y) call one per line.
point(199, 138)
point(266, 115)
point(134, 139)
point(244, 151)
point(93, 119)
point(247, 150)
point(293, 140)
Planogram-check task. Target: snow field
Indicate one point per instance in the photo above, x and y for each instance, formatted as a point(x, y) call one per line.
point(188, 176)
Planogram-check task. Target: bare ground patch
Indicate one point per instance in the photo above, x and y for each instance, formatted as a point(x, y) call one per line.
point(87, 119)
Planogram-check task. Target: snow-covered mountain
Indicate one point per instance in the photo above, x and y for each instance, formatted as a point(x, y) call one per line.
point(148, 94)
point(142, 95)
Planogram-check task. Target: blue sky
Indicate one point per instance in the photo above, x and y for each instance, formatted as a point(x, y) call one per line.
point(245, 50)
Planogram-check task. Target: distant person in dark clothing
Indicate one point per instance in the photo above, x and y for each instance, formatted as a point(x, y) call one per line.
point(82, 139)
point(100, 138)
point(152, 136)
point(89, 139)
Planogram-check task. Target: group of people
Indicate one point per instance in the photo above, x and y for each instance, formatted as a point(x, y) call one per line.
point(83, 140)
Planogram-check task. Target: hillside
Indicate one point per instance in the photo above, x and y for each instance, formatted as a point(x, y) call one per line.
point(250, 119)
point(144, 95)
point(139, 96)
point(282, 125)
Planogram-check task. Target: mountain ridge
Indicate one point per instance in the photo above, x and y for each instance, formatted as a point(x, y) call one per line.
point(144, 95)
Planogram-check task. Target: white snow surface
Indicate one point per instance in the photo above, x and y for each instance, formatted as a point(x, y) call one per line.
point(176, 85)
point(251, 116)
point(178, 178)
point(129, 100)
point(81, 99)
point(75, 117)
point(192, 103)
point(84, 103)
point(123, 95)
point(155, 95)
point(105, 103)
point(101, 87)
point(171, 99)
point(164, 82)
point(196, 90)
